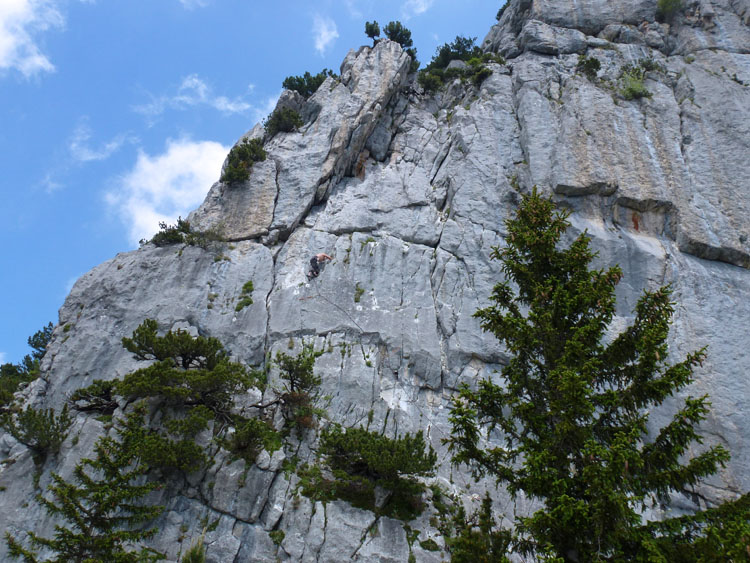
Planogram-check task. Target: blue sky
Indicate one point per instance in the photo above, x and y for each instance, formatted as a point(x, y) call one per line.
point(115, 114)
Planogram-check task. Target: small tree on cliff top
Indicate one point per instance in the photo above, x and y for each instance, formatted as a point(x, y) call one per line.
point(573, 409)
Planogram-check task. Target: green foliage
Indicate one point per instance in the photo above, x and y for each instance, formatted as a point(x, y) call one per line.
point(632, 87)
point(241, 158)
point(437, 73)
point(283, 119)
point(182, 233)
point(102, 507)
point(358, 292)
point(300, 390)
point(384, 461)
point(362, 460)
point(245, 297)
point(372, 30)
point(589, 66)
point(12, 376)
point(42, 431)
point(650, 65)
point(574, 406)
point(476, 538)
point(277, 536)
point(480, 75)
point(501, 11)
point(395, 31)
point(666, 10)
point(307, 84)
point(97, 397)
point(196, 553)
point(251, 435)
point(429, 545)
point(39, 341)
point(430, 81)
point(193, 382)
point(461, 48)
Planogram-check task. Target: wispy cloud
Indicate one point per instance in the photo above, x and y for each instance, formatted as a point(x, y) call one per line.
point(415, 7)
point(2, 357)
point(193, 91)
point(81, 150)
point(324, 32)
point(192, 4)
point(163, 186)
point(353, 9)
point(20, 22)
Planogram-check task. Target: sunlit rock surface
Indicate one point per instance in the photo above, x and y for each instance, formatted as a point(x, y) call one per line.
point(409, 193)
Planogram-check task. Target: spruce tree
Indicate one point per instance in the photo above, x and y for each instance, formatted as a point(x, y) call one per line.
point(102, 508)
point(573, 407)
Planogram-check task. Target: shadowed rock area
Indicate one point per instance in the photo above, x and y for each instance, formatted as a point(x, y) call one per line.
point(409, 192)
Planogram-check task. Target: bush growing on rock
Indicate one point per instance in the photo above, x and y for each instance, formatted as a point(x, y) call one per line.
point(361, 460)
point(97, 397)
point(395, 31)
point(632, 83)
point(307, 84)
point(183, 233)
point(435, 74)
point(666, 10)
point(501, 11)
point(574, 406)
point(589, 66)
point(241, 158)
point(12, 376)
point(251, 435)
point(40, 430)
point(284, 119)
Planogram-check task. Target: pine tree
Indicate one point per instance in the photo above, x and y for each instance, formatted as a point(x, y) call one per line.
point(574, 404)
point(102, 507)
point(395, 31)
point(372, 30)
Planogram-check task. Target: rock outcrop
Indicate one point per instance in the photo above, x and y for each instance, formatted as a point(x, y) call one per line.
point(409, 193)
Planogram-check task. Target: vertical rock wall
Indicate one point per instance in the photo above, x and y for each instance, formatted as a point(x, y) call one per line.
point(409, 193)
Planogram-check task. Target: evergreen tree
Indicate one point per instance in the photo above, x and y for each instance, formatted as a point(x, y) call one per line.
point(301, 387)
point(307, 84)
point(372, 30)
point(573, 406)
point(395, 31)
point(192, 382)
point(102, 507)
point(40, 430)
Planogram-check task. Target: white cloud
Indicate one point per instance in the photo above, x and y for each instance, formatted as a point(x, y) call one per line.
point(191, 4)
point(324, 32)
point(20, 22)
point(415, 8)
point(2, 357)
point(165, 186)
point(353, 9)
point(193, 91)
point(81, 150)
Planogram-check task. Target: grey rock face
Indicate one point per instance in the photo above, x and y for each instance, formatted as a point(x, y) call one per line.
point(409, 194)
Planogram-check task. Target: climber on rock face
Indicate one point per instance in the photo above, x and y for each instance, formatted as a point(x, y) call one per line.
point(315, 264)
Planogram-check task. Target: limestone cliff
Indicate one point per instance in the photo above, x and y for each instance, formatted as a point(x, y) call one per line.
point(409, 192)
